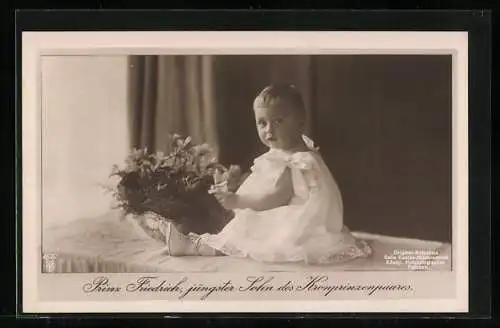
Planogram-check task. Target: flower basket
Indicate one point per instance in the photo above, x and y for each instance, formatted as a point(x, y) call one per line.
point(175, 187)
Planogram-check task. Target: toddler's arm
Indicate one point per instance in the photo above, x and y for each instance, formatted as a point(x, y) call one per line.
point(279, 195)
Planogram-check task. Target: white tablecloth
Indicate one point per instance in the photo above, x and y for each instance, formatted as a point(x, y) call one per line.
point(112, 245)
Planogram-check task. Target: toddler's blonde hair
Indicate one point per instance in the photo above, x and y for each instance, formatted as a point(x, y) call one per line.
point(286, 95)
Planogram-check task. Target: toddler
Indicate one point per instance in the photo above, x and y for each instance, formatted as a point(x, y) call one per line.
point(289, 209)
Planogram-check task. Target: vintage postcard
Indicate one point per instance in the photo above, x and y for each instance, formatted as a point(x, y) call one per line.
point(244, 172)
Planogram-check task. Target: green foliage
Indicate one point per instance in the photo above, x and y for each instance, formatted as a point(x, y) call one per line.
point(174, 186)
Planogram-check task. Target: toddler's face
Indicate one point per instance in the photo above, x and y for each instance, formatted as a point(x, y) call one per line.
point(278, 127)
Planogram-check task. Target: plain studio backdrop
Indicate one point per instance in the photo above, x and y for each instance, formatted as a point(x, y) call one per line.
point(382, 122)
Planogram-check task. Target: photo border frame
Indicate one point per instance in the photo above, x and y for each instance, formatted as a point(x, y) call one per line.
point(475, 22)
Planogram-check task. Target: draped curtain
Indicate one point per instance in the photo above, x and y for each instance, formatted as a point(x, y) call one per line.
point(171, 94)
point(208, 98)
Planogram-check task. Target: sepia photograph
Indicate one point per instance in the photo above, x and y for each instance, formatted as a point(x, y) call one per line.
point(196, 172)
point(161, 163)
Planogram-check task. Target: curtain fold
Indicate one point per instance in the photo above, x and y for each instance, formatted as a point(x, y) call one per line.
point(171, 94)
point(177, 94)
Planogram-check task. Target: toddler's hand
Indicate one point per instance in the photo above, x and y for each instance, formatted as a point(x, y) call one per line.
point(227, 199)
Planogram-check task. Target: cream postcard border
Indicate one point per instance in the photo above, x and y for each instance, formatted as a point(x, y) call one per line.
point(36, 44)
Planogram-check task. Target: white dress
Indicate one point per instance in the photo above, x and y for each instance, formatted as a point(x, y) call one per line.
point(309, 229)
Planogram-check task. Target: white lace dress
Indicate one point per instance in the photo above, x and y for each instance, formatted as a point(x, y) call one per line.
point(310, 228)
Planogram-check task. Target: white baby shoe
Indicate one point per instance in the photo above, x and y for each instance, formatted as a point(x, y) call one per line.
point(179, 244)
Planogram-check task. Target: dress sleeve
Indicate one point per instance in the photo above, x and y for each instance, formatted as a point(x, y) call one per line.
point(306, 164)
point(270, 167)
